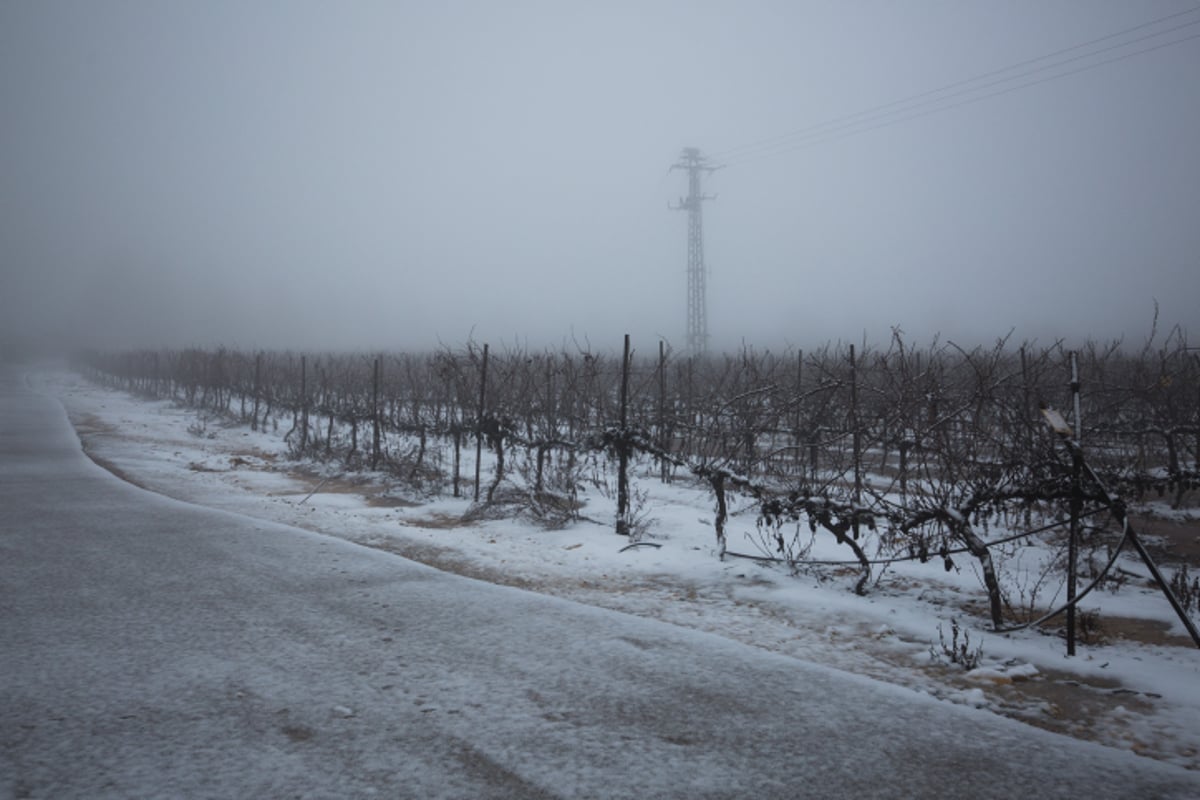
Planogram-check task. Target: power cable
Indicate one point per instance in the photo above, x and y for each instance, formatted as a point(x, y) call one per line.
point(1112, 560)
point(849, 123)
point(730, 153)
point(851, 130)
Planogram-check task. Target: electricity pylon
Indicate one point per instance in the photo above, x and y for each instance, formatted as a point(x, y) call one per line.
point(697, 302)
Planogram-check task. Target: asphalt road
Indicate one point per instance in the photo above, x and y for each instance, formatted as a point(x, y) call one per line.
point(149, 648)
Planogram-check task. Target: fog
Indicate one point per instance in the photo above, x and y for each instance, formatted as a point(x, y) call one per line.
point(397, 174)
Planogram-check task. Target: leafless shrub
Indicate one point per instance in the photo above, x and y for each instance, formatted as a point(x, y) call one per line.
point(1187, 593)
point(956, 651)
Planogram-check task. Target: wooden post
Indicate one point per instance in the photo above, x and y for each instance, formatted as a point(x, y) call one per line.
point(457, 457)
point(1197, 462)
point(813, 454)
point(303, 404)
point(796, 435)
point(375, 414)
point(717, 481)
point(662, 409)
point(623, 449)
point(455, 415)
point(257, 389)
point(856, 433)
point(327, 401)
point(479, 421)
point(1026, 402)
point(1027, 411)
point(690, 407)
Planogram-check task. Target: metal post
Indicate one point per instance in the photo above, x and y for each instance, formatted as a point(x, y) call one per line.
point(1076, 508)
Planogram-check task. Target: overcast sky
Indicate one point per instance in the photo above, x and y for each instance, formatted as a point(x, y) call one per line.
point(337, 175)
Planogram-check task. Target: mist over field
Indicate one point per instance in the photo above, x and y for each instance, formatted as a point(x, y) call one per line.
point(310, 310)
point(397, 175)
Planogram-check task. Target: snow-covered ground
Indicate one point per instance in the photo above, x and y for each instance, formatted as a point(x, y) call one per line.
point(1123, 693)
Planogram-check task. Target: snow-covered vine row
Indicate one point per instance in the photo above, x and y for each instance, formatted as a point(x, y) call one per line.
point(899, 450)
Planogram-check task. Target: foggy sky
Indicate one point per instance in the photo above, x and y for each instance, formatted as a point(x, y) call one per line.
point(394, 174)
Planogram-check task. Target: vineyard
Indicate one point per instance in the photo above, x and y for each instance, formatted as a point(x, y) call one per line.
point(937, 453)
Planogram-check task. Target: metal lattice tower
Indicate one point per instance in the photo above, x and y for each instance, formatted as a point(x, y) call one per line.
point(697, 302)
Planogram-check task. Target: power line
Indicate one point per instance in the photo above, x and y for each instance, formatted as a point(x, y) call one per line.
point(736, 152)
point(876, 114)
point(823, 137)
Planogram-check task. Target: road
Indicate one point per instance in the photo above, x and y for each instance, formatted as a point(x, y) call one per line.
point(150, 648)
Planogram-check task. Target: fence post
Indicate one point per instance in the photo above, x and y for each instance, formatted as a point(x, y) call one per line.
point(479, 422)
point(796, 434)
point(1028, 417)
point(1197, 359)
point(257, 387)
point(455, 415)
point(662, 409)
point(303, 404)
point(375, 413)
point(623, 448)
point(857, 434)
point(1076, 508)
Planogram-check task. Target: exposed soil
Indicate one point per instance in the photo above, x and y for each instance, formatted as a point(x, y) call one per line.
point(1145, 631)
point(1169, 540)
point(375, 494)
point(89, 426)
point(1063, 703)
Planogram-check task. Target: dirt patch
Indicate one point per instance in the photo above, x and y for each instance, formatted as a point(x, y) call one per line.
point(1094, 629)
point(387, 501)
point(372, 492)
point(1169, 540)
point(87, 428)
point(90, 425)
point(113, 468)
point(1064, 703)
point(1094, 708)
point(438, 522)
point(243, 455)
point(448, 560)
point(1143, 631)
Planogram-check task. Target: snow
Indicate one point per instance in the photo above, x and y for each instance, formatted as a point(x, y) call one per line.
point(891, 634)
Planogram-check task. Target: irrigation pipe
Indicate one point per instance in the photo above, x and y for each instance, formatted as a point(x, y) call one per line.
point(1079, 597)
point(1118, 510)
point(918, 557)
point(317, 488)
